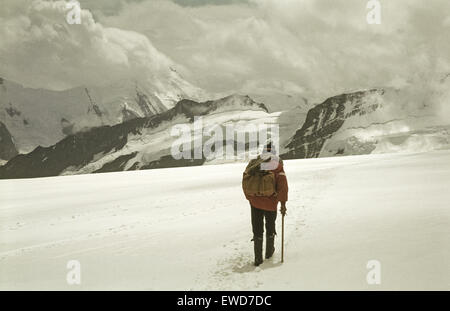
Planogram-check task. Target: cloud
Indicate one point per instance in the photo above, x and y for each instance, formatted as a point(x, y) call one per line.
point(40, 49)
point(322, 46)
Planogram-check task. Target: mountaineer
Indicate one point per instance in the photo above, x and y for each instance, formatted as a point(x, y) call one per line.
point(264, 183)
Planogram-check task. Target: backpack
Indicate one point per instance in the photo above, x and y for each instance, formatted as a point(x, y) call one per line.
point(257, 182)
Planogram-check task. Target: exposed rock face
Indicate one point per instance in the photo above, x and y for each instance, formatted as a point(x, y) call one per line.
point(12, 112)
point(7, 148)
point(325, 119)
point(128, 114)
point(66, 126)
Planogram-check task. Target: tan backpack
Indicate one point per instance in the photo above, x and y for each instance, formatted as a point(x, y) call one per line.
point(257, 182)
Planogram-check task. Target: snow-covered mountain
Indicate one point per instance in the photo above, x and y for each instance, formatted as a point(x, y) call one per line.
point(39, 117)
point(370, 121)
point(139, 143)
point(361, 122)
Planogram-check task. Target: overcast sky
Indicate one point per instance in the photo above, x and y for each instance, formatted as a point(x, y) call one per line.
point(227, 46)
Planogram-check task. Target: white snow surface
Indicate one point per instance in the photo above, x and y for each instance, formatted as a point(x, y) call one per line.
point(189, 228)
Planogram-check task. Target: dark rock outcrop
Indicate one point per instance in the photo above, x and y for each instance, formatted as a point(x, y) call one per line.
point(128, 114)
point(67, 126)
point(117, 164)
point(12, 112)
point(7, 148)
point(326, 119)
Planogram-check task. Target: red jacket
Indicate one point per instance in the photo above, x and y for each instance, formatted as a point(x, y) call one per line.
point(270, 203)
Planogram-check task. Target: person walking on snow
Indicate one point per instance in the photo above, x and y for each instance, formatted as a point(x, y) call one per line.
point(265, 184)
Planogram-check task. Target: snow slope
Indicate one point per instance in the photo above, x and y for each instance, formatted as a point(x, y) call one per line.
point(189, 228)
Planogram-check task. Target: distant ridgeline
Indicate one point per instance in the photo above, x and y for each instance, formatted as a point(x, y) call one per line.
point(361, 122)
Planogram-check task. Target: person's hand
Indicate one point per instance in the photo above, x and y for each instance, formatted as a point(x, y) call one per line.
point(283, 208)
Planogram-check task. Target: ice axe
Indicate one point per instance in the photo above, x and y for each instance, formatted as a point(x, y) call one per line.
point(282, 238)
point(282, 235)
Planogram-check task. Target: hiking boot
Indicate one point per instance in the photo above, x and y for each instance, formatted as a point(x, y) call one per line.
point(258, 245)
point(270, 248)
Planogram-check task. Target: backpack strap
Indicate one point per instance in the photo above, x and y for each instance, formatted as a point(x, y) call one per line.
point(253, 165)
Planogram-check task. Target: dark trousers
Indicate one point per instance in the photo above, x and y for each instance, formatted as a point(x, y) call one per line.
point(258, 216)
